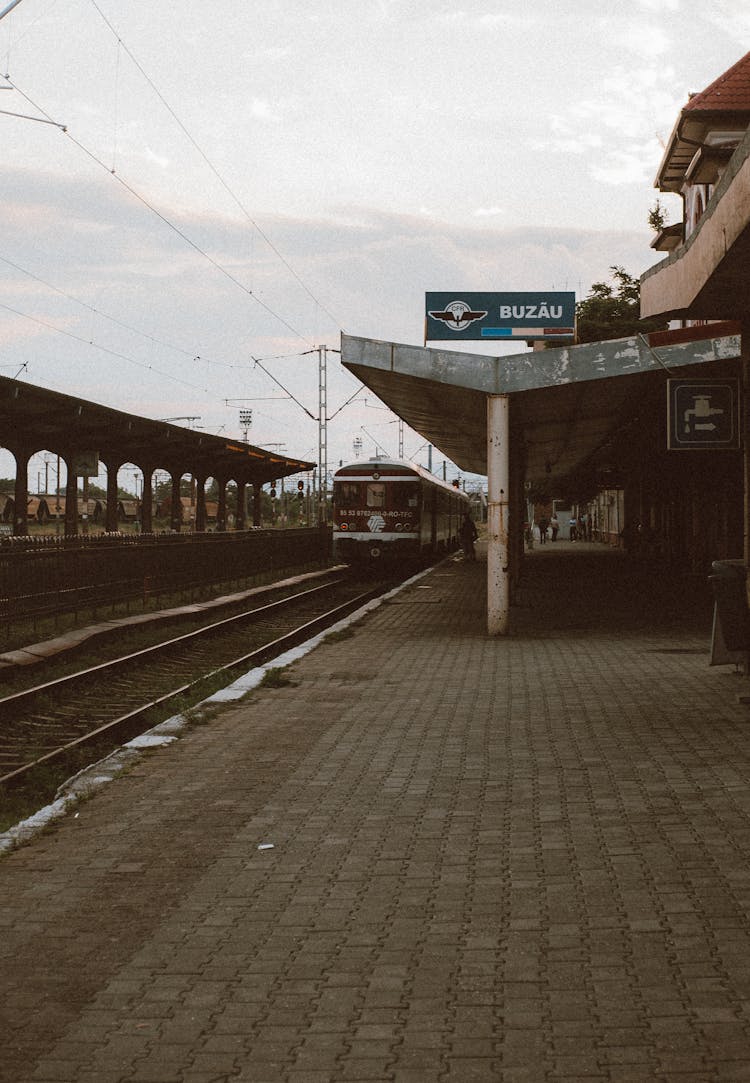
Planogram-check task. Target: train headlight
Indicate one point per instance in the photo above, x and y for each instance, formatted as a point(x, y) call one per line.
point(375, 552)
point(399, 526)
point(343, 526)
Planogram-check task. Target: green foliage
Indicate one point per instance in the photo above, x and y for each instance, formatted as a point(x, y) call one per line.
point(613, 311)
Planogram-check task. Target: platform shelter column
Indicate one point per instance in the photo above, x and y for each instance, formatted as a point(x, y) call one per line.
point(241, 505)
point(200, 503)
point(498, 490)
point(175, 503)
point(257, 493)
point(21, 494)
point(147, 499)
point(110, 513)
point(221, 509)
point(71, 496)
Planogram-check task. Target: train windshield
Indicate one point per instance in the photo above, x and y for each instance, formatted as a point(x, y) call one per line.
point(347, 493)
point(405, 496)
point(375, 494)
point(398, 496)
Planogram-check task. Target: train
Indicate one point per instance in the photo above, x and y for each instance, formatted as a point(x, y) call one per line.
point(388, 511)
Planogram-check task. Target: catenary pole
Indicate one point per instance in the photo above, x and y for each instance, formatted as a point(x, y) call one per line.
point(322, 433)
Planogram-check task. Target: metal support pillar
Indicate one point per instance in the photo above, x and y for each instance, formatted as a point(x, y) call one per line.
point(257, 492)
point(498, 490)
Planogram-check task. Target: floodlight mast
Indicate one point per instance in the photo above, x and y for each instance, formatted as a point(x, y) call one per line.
point(8, 8)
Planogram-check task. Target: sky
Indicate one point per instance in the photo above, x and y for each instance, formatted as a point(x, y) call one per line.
point(196, 196)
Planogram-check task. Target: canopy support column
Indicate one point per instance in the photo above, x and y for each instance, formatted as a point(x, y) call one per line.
point(498, 490)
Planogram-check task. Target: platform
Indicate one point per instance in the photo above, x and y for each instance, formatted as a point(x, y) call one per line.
point(435, 856)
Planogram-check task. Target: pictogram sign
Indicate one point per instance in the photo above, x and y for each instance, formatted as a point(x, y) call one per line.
point(703, 414)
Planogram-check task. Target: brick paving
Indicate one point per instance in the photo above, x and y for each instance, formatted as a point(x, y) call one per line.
point(517, 859)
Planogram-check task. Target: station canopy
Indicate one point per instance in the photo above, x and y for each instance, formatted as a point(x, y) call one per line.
point(36, 419)
point(568, 405)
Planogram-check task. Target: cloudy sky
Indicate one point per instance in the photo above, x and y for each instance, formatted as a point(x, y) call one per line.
point(237, 182)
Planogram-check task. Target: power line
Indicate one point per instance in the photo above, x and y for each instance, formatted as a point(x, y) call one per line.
point(104, 349)
point(114, 319)
point(171, 225)
point(211, 166)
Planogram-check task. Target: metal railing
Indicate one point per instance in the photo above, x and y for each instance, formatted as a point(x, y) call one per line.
point(48, 576)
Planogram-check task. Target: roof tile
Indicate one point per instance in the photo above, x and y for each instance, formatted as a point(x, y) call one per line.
point(729, 93)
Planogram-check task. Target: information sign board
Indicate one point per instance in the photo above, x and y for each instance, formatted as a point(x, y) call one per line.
point(703, 414)
point(483, 316)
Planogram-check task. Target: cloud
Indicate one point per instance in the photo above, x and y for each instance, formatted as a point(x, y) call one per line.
point(658, 7)
point(732, 18)
point(261, 109)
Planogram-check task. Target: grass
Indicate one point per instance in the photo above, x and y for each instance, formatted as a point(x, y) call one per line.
point(277, 677)
point(339, 636)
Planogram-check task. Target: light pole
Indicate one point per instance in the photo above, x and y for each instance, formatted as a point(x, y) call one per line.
point(246, 420)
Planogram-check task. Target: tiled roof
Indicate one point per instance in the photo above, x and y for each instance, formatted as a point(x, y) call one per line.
point(729, 93)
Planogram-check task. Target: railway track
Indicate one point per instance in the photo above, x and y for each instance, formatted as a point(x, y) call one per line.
point(104, 704)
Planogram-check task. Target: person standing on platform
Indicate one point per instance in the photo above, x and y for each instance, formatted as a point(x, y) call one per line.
point(543, 524)
point(468, 534)
point(554, 525)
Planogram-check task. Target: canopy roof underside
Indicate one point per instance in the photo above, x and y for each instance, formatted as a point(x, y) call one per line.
point(35, 419)
point(568, 405)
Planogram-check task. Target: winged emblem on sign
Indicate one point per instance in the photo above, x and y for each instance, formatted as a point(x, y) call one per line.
point(457, 315)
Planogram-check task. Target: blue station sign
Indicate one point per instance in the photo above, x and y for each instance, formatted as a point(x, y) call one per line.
point(482, 316)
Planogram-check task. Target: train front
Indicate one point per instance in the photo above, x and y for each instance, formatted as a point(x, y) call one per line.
point(376, 513)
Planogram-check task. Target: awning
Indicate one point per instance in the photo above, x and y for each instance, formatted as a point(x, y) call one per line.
point(567, 404)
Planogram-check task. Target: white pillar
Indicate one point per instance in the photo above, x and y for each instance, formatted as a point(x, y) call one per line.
point(498, 490)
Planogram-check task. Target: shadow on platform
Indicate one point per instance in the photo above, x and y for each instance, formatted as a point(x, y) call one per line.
point(593, 587)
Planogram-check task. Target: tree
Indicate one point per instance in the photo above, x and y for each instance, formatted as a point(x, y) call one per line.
point(657, 217)
point(614, 312)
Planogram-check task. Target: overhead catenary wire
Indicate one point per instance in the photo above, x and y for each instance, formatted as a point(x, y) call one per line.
point(235, 198)
point(104, 349)
point(120, 323)
point(154, 210)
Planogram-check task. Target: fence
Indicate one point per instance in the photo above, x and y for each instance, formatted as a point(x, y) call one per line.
point(45, 577)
